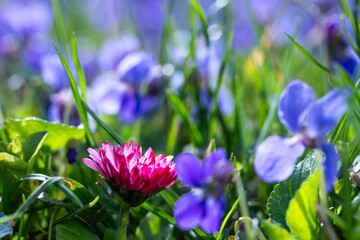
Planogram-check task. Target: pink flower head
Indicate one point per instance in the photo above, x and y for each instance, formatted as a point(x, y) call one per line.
point(125, 166)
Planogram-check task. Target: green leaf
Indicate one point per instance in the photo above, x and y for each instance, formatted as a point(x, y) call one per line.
point(59, 134)
point(301, 214)
point(308, 55)
point(79, 68)
point(109, 234)
point(5, 228)
point(275, 231)
point(59, 24)
point(78, 103)
point(32, 145)
point(283, 192)
point(74, 229)
point(220, 80)
point(204, 23)
point(108, 129)
point(228, 215)
point(15, 148)
point(13, 162)
point(154, 228)
point(32, 197)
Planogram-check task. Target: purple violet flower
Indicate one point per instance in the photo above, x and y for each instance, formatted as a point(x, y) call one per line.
point(137, 67)
point(310, 121)
point(25, 18)
point(53, 72)
point(205, 205)
point(113, 50)
point(58, 103)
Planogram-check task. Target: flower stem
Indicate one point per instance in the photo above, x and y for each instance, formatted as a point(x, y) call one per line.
point(123, 221)
point(323, 196)
point(243, 206)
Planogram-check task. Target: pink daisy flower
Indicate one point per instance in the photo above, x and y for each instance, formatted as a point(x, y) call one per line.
point(130, 173)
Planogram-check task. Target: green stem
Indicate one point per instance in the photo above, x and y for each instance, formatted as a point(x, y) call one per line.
point(123, 221)
point(243, 206)
point(319, 160)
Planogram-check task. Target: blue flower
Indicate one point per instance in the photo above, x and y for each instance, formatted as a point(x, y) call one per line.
point(205, 205)
point(310, 121)
point(138, 67)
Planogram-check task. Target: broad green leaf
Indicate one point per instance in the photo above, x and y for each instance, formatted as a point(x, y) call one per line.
point(15, 148)
point(59, 134)
point(32, 145)
point(12, 162)
point(301, 215)
point(109, 234)
point(74, 229)
point(275, 231)
point(283, 192)
point(154, 228)
point(5, 228)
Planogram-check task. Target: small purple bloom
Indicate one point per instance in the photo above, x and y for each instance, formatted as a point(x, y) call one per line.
point(150, 18)
point(58, 103)
point(53, 72)
point(310, 121)
point(25, 18)
point(113, 50)
point(137, 67)
point(106, 92)
point(35, 48)
point(71, 155)
point(205, 205)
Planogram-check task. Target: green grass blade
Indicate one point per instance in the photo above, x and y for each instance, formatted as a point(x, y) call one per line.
point(181, 110)
point(232, 210)
point(108, 129)
point(51, 225)
point(73, 84)
point(59, 24)
point(269, 118)
point(151, 208)
point(79, 210)
point(345, 7)
point(356, 21)
point(347, 35)
point(168, 198)
point(166, 32)
point(32, 197)
point(79, 68)
point(308, 55)
point(204, 23)
point(220, 79)
point(39, 177)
